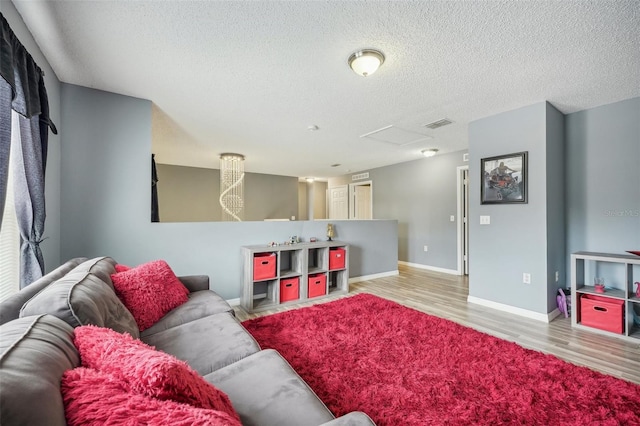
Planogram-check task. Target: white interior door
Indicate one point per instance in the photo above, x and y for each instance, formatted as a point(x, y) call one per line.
point(362, 202)
point(339, 202)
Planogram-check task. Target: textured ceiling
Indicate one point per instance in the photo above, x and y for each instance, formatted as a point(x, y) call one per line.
point(251, 77)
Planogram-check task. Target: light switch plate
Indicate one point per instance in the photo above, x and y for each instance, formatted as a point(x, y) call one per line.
point(485, 220)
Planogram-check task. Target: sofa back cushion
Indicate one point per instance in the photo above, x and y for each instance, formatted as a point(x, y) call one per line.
point(102, 267)
point(10, 308)
point(34, 353)
point(81, 298)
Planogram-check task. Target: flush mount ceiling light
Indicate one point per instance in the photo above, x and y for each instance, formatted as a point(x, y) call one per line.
point(429, 152)
point(366, 61)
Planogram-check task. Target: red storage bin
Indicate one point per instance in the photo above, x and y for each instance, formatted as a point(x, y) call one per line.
point(317, 285)
point(264, 266)
point(336, 258)
point(602, 312)
point(289, 289)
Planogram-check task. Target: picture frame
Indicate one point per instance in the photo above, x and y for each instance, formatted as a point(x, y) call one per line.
point(504, 179)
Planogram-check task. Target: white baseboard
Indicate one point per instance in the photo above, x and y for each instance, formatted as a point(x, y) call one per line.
point(514, 310)
point(430, 268)
point(234, 302)
point(373, 276)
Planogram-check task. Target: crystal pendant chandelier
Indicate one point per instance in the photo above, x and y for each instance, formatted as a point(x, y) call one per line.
point(232, 186)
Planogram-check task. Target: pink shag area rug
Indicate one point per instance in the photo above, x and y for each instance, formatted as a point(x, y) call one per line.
point(404, 367)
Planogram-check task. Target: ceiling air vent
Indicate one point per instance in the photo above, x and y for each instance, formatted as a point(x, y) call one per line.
point(360, 176)
point(438, 123)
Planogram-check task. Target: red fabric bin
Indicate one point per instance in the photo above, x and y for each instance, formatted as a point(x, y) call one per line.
point(317, 285)
point(264, 266)
point(337, 258)
point(289, 289)
point(604, 313)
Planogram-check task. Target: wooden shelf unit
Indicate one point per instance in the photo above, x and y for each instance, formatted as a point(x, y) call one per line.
point(292, 261)
point(620, 271)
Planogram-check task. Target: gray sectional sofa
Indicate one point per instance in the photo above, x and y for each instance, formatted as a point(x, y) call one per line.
point(36, 347)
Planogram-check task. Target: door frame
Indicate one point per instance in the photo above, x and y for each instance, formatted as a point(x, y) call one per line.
point(352, 197)
point(460, 216)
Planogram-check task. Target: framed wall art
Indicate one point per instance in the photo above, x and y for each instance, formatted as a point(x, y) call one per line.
point(504, 179)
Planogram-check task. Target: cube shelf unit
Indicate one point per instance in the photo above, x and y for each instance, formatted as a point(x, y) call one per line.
point(620, 272)
point(303, 261)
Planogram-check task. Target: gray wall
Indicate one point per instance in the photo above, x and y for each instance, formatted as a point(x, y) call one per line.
point(603, 178)
point(421, 196)
point(319, 200)
point(519, 235)
point(106, 196)
point(303, 211)
point(51, 245)
point(270, 196)
point(190, 194)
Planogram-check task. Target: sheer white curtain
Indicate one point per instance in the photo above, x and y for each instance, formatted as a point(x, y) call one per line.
point(10, 236)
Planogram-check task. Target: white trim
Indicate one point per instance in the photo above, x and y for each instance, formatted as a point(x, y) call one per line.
point(459, 213)
point(373, 276)
point(234, 302)
point(514, 310)
point(430, 268)
point(352, 197)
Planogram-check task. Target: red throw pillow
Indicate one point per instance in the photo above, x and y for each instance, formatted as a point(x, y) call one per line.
point(93, 397)
point(149, 291)
point(122, 268)
point(147, 371)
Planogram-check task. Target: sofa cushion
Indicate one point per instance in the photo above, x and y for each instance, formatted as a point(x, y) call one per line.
point(34, 353)
point(81, 298)
point(147, 371)
point(102, 267)
point(149, 291)
point(199, 305)
point(10, 307)
point(206, 344)
point(266, 391)
point(93, 397)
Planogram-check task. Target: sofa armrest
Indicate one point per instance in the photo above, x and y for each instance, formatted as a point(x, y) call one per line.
point(355, 418)
point(195, 282)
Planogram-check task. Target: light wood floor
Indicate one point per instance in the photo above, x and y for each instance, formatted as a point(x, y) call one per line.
point(445, 296)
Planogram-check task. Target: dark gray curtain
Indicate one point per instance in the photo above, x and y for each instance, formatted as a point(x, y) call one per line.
point(155, 214)
point(22, 89)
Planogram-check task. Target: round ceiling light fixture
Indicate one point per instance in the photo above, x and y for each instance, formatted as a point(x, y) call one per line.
point(429, 152)
point(366, 61)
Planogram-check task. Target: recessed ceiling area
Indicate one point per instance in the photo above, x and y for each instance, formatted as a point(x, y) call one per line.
point(251, 77)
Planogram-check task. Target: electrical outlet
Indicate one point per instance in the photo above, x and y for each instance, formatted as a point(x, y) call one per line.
point(426, 248)
point(557, 276)
point(526, 278)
